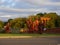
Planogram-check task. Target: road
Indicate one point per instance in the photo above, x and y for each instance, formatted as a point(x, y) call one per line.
point(31, 41)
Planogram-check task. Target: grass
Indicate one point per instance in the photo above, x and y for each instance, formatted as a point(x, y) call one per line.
point(29, 34)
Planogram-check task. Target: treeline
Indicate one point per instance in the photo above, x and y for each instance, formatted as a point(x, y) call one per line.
point(19, 23)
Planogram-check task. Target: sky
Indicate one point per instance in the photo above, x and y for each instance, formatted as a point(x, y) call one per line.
point(23, 8)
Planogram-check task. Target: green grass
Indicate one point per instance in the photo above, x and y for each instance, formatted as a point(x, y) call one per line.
point(29, 34)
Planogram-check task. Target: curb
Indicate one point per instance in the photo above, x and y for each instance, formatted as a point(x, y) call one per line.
point(15, 37)
point(29, 37)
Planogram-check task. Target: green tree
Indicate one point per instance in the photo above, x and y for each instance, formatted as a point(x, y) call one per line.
point(57, 22)
point(9, 20)
point(53, 17)
point(40, 14)
point(1, 24)
point(15, 23)
point(18, 23)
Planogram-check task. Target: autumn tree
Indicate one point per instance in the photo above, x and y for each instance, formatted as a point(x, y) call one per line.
point(53, 17)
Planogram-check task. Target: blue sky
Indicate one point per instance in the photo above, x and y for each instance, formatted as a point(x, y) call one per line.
point(22, 8)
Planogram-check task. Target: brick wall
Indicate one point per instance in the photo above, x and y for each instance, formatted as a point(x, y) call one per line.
point(53, 31)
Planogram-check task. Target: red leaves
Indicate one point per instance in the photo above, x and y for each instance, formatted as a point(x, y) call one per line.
point(32, 26)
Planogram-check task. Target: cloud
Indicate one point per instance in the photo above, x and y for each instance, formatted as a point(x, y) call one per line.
point(7, 16)
point(20, 10)
point(13, 11)
point(23, 8)
point(43, 2)
point(34, 2)
point(2, 1)
point(8, 3)
point(31, 10)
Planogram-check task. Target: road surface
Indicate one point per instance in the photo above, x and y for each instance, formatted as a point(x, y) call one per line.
point(31, 41)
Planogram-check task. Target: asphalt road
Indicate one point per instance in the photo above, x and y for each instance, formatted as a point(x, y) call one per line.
point(31, 41)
